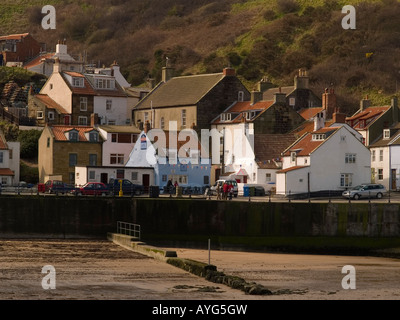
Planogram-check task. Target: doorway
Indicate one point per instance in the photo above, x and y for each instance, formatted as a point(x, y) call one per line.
point(146, 182)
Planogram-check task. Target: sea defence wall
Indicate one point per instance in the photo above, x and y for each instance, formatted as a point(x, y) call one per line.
point(280, 226)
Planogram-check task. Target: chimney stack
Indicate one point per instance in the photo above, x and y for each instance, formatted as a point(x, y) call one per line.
point(301, 81)
point(56, 68)
point(280, 97)
point(319, 120)
point(338, 117)
point(329, 102)
point(167, 73)
point(94, 119)
point(395, 109)
point(365, 103)
point(256, 96)
point(229, 72)
point(264, 84)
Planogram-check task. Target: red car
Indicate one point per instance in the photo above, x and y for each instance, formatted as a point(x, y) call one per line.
point(92, 189)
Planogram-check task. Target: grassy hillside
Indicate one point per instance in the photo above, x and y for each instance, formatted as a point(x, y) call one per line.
point(259, 38)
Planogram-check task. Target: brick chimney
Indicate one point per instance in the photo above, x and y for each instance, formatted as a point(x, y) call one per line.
point(256, 96)
point(264, 84)
point(329, 102)
point(338, 117)
point(229, 72)
point(94, 119)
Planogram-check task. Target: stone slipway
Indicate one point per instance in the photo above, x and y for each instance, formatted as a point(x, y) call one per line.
point(207, 271)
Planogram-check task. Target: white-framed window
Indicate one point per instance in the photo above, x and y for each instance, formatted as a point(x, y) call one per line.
point(101, 83)
point(50, 115)
point(381, 155)
point(83, 103)
point(292, 102)
point(226, 117)
point(108, 104)
point(380, 174)
point(92, 175)
point(373, 155)
point(134, 176)
point(293, 156)
point(116, 158)
point(146, 117)
point(386, 133)
point(4, 181)
point(350, 158)
point(39, 114)
point(77, 82)
point(82, 121)
point(346, 179)
point(183, 118)
point(318, 136)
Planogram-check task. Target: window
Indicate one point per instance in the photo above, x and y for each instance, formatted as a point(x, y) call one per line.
point(73, 159)
point(51, 86)
point(120, 174)
point(267, 177)
point(82, 121)
point(108, 105)
point(350, 158)
point(292, 102)
point(181, 179)
point(386, 134)
point(77, 82)
point(346, 180)
point(134, 176)
point(146, 117)
point(105, 83)
point(1, 157)
point(83, 103)
point(318, 137)
point(92, 159)
point(240, 96)
point(164, 178)
point(4, 181)
point(39, 115)
point(380, 155)
point(93, 137)
point(73, 136)
point(373, 155)
point(10, 154)
point(48, 142)
point(183, 118)
point(380, 174)
point(293, 155)
point(162, 123)
point(50, 115)
point(206, 180)
point(116, 158)
point(114, 137)
point(92, 175)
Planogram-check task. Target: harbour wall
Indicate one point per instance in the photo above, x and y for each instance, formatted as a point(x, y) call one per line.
point(320, 227)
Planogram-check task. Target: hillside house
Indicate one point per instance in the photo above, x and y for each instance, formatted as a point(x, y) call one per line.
point(16, 49)
point(62, 148)
point(9, 162)
point(191, 101)
point(327, 159)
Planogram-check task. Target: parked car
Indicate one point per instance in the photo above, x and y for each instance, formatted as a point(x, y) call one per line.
point(221, 182)
point(92, 189)
point(56, 186)
point(370, 190)
point(128, 188)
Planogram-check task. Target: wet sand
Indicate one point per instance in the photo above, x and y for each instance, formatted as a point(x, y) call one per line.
point(102, 270)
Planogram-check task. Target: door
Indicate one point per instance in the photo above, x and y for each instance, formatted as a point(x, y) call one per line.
point(104, 178)
point(394, 187)
point(146, 182)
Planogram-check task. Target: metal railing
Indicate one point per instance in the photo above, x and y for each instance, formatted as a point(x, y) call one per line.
point(129, 229)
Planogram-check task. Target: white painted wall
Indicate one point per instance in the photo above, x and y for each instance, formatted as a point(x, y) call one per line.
point(117, 113)
point(60, 92)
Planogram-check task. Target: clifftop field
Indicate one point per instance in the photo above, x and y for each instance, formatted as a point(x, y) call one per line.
point(258, 38)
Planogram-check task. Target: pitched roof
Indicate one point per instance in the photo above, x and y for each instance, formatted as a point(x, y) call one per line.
point(6, 172)
point(59, 132)
point(50, 103)
point(305, 145)
point(240, 107)
point(116, 92)
point(268, 148)
point(369, 113)
point(308, 126)
point(119, 129)
point(180, 91)
point(38, 60)
point(291, 169)
point(309, 113)
point(87, 89)
point(270, 93)
point(14, 36)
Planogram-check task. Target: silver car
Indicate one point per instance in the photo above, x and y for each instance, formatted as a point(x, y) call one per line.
point(370, 190)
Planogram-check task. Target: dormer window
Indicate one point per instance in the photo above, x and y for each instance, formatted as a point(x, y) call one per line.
point(240, 96)
point(226, 117)
point(93, 136)
point(248, 115)
point(73, 135)
point(102, 83)
point(318, 136)
point(77, 82)
point(386, 134)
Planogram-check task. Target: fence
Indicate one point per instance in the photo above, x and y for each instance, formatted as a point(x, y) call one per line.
point(129, 229)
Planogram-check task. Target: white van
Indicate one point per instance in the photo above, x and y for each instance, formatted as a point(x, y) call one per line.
point(213, 189)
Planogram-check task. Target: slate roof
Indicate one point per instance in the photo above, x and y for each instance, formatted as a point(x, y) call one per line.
point(268, 148)
point(180, 91)
point(269, 94)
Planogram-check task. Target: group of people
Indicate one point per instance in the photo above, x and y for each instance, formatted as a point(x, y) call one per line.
point(224, 191)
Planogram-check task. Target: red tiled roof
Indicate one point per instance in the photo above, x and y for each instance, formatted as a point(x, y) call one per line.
point(50, 103)
point(6, 172)
point(367, 114)
point(60, 130)
point(38, 60)
point(14, 36)
point(87, 89)
point(291, 169)
point(309, 113)
point(308, 126)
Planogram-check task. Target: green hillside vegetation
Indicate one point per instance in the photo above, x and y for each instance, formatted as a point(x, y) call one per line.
point(272, 38)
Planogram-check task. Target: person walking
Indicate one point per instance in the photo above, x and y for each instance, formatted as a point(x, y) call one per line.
point(219, 187)
point(225, 190)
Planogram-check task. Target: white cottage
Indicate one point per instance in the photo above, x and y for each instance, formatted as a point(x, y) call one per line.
point(329, 158)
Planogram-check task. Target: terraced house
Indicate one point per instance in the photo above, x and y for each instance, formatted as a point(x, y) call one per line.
point(9, 162)
point(62, 148)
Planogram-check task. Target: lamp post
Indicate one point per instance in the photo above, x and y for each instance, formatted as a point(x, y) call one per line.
point(120, 188)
